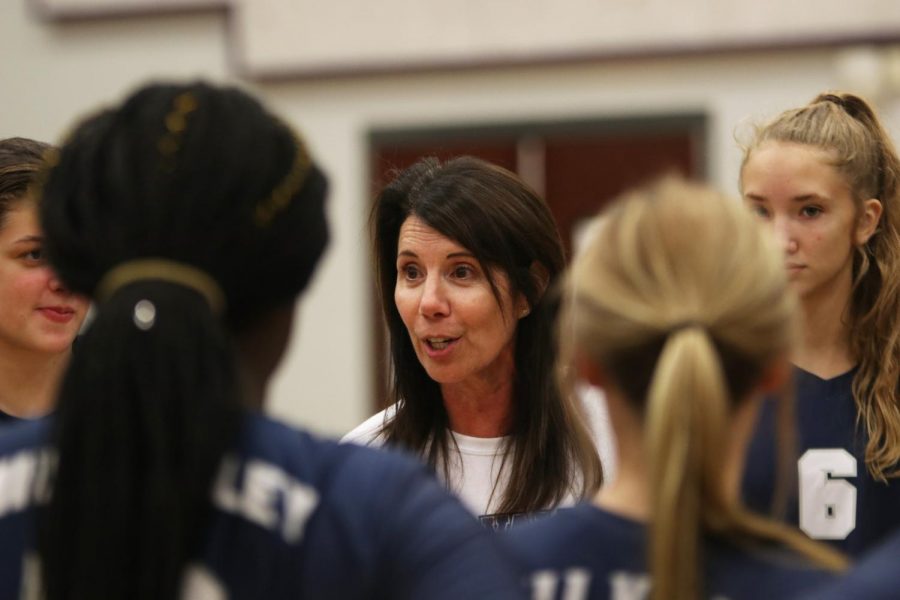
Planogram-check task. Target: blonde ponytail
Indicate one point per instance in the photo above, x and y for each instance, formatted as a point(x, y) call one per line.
point(683, 300)
point(685, 422)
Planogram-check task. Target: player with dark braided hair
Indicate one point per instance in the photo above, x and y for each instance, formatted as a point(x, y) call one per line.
point(195, 219)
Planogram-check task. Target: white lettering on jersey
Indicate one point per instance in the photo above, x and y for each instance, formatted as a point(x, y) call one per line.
point(827, 504)
point(256, 498)
point(31, 588)
point(200, 584)
point(16, 474)
point(46, 469)
point(629, 586)
point(24, 480)
point(543, 585)
point(299, 502)
point(576, 584)
point(262, 483)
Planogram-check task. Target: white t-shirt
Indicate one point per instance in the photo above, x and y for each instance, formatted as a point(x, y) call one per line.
point(476, 468)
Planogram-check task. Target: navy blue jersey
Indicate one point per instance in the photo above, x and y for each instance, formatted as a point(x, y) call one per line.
point(6, 418)
point(836, 499)
point(296, 517)
point(586, 553)
point(875, 577)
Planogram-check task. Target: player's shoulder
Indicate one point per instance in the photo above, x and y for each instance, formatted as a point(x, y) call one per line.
point(368, 433)
point(577, 534)
point(24, 435)
point(583, 547)
point(558, 524)
point(323, 462)
point(874, 577)
point(767, 567)
point(26, 460)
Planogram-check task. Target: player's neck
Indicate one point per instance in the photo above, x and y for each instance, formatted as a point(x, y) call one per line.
point(29, 383)
point(627, 495)
point(824, 347)
point(253, 388)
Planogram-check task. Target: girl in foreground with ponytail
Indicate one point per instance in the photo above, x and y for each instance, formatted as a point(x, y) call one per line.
point(679, 308)
point(195, 219)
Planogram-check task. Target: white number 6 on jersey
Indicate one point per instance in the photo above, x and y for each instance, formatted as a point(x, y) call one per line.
point(827, 505)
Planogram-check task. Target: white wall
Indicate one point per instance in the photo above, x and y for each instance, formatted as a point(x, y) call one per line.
point(51, 73)
point(280, 35)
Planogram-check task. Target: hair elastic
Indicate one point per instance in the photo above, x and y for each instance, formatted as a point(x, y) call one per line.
point(163, 270)
point(687, 324)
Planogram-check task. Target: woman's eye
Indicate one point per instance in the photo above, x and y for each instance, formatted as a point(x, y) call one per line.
point(409, 271)
point(760, 211)
point(810, 211)
point(35, 255)
point(463, 272)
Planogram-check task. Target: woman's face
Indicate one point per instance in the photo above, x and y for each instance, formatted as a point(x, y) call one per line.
point(37, 313)
point(811, 209)
point(458, 329)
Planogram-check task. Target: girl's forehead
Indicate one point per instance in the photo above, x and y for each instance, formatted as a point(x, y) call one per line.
point(789, 160)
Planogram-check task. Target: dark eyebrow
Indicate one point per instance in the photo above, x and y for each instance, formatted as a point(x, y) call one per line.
point(451, 255)
point(803, 198)
point(29, 239)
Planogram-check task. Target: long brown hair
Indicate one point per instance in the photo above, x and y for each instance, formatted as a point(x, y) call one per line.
point(508, 228)
point(847, 127)
point(684, 302)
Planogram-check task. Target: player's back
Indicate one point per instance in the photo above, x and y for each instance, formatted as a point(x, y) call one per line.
point(294, 516)
point(587, 553)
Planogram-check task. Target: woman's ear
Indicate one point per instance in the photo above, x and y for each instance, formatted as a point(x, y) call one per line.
point(541, 278)
point(869, 217)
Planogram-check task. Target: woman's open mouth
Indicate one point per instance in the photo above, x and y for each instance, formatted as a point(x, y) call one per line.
point(438, 343)
point(439, 346)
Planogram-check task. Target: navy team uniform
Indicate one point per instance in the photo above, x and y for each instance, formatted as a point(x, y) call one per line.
point(296, 517)
point(586, 553)
point(875, 577)
point(837, 500)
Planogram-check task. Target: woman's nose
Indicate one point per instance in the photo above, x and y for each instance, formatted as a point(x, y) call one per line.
point(434, 302)
point(56, 285)
point(784, 233)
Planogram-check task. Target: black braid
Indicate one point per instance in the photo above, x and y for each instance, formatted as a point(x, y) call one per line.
point(145, 417)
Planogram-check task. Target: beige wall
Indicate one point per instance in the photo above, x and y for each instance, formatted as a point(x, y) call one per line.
point(279, 35)
point(51, 73)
